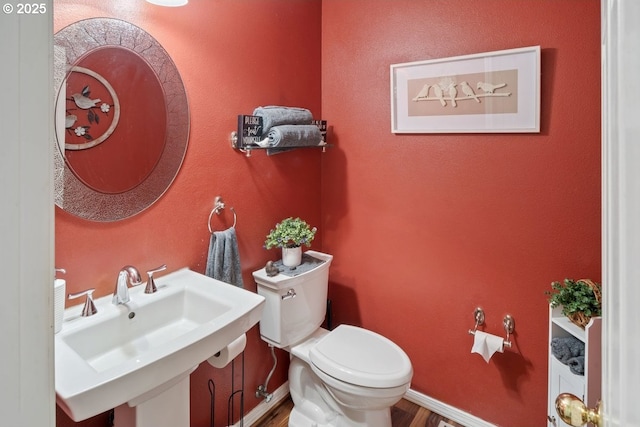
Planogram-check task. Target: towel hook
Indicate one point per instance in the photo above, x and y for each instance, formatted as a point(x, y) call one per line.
point(218, 206)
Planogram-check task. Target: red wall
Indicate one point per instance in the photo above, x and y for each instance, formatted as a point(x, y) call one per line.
point(426, 227)
point(233, 56)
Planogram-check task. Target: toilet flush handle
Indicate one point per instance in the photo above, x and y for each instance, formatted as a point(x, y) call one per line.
point(290, 294)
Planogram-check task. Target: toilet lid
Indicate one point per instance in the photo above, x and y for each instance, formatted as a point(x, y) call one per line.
point(361, 357)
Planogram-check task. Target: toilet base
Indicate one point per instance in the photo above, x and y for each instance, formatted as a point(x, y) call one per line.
point(315, 407)
point(377, 418)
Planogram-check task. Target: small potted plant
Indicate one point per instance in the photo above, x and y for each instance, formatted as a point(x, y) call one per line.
point(290, 234)
point(580, 299)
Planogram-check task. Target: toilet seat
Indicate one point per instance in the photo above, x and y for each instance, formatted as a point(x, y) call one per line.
point(361, 357)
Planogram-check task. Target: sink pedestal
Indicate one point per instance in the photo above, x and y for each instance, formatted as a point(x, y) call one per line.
point(169, 408)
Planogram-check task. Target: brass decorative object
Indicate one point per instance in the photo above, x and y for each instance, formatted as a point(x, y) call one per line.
point(574, 412)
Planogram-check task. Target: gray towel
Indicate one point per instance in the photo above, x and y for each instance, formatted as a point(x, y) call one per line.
point(294, 136)
point(223, 260)
point(566, 348)
point(576, 365)
point(274, 115)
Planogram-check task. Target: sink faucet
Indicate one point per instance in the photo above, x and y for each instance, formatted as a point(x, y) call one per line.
point(128, 274)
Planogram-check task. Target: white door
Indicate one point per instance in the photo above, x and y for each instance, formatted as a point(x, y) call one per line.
point(621, 212)
point(26, 216)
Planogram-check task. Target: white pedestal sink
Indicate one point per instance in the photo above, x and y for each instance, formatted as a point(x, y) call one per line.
point(137, 357)
point(154, 411)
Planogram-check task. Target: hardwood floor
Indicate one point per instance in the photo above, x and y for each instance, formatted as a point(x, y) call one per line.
point(279, 417)
point(403, 414)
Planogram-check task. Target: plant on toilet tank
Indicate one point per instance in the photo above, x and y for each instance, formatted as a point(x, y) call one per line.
point(290, 234)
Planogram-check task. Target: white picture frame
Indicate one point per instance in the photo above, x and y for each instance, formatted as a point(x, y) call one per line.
point(493, 92)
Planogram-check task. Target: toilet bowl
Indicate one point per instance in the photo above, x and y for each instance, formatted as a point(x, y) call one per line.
point(346, 377)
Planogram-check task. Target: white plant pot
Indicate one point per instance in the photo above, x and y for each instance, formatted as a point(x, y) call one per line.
point(292, 257)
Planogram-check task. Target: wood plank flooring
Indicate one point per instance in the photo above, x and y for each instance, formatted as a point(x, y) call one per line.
point(403, 414)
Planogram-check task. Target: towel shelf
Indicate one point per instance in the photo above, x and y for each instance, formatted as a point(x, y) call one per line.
point(560, 378)
point(249, 133)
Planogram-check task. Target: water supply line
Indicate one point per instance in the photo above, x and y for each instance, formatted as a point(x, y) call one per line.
point(261, 391)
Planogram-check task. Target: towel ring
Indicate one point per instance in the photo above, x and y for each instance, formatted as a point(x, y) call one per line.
point(218, 205)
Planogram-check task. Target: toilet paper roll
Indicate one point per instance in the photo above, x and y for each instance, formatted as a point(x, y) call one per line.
point(59, 291)
point(486, 345)
point(227, 354)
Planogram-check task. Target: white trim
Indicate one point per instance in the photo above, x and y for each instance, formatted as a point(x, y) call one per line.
point(264, 408)
point(447, 411)
point(27, 395)
point(413, 396)
point(620, 212)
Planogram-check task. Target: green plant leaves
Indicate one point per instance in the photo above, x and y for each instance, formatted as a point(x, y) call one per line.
point(574, 297)
point(290, 232)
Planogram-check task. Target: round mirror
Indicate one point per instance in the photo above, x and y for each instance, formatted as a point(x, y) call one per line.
point(122, 120)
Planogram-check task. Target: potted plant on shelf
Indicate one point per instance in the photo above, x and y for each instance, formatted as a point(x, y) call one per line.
point(580, 299)
point(290, 234)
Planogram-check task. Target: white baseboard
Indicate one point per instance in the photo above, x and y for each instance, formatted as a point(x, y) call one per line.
point(264, 408)
point(447, 411)
point(413, 396)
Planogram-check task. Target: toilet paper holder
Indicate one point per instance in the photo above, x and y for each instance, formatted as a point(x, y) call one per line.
point(508, 323)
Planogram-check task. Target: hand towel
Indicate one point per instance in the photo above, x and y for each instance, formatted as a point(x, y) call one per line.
point(294, 136)
point(576, 365)
point(565, 348)
point(223, 260)
point(274, 115)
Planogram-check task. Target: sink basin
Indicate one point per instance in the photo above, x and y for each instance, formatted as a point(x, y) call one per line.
point(131, 352)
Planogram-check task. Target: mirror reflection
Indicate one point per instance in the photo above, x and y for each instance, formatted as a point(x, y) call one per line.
point(122, 120)
point(115, 120)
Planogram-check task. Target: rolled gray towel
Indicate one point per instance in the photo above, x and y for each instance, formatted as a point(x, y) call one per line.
point(294, 136)
point(576, 365)
point(274, 115)
point(565, 348)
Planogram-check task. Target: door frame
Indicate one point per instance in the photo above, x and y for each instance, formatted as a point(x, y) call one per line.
point(620, 211)
point(27, 395)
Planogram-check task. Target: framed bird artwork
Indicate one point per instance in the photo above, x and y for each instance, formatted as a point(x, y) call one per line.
point(492, 92)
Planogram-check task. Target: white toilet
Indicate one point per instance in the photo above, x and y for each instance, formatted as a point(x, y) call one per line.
point(347, 377)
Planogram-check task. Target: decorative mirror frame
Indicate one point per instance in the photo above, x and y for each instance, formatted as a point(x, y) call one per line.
point(71, 194)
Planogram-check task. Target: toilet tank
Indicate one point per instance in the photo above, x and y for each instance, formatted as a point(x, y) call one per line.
point(288, 319)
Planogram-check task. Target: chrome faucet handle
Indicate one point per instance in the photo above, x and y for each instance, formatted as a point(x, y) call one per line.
point(151, 284)
point(89, 308)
